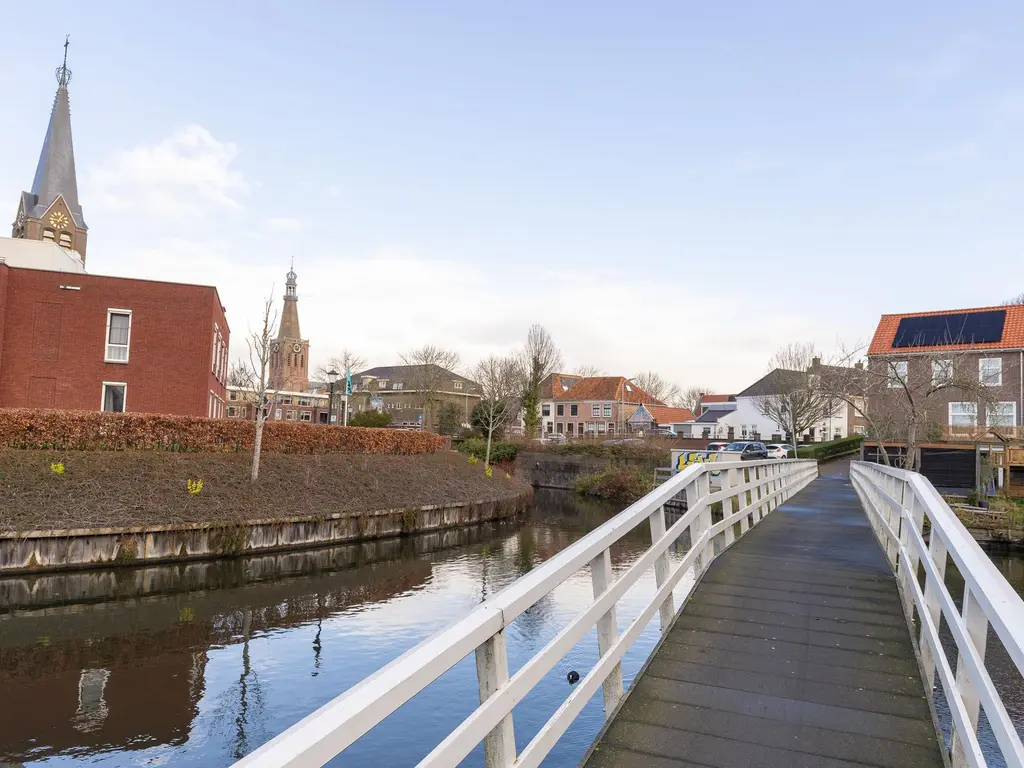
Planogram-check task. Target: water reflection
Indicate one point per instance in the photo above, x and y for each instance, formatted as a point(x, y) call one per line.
point(198, 664)
point(201, 662)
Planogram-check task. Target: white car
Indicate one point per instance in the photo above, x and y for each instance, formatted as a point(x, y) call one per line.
point(779, 450)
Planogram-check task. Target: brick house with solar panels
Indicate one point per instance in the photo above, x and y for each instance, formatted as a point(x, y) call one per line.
point(987, 343)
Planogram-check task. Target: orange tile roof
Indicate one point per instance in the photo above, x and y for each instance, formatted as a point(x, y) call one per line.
point(715, 398)
point(555, 384)
point(607, 388)
point(664, 414)
point(885, 333)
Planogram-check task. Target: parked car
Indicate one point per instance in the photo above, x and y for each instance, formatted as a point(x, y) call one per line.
point(747, 450)
point(779, 450)
point(663, 432)
point(555, 438)
point(716, 446)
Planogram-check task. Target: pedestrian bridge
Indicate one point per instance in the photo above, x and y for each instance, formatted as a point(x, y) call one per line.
point(805, 621)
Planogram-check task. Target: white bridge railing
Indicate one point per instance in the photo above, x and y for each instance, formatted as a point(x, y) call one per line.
point(898, 503)
point(749, 491)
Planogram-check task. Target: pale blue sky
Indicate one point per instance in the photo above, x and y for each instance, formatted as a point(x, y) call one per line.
point(677, 186)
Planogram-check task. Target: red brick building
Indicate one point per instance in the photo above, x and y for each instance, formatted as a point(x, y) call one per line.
point(91, 342)
point(88, 342)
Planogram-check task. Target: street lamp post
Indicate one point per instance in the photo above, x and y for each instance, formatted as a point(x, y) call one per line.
point(332, 376)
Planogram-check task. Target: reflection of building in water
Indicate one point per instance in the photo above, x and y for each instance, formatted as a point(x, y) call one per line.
point(128, 674)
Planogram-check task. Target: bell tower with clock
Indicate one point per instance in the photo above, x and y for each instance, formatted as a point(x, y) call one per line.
point(289, 356)
point(51, 211)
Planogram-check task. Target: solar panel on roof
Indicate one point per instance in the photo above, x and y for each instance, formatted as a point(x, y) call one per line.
point(957, 328)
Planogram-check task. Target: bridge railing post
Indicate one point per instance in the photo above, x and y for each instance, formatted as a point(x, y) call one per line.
point(912, 517)
point(730, 504)
point(492, 674)
point(937, 552)
point(976, 624)
point(661, 568)
point(607, 628)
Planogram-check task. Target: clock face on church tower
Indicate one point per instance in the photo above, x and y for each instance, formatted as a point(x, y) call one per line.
point(296, 347)
point(58, 219)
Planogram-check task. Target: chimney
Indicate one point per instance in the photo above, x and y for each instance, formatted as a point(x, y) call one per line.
point(815, 362)
point(859, 366)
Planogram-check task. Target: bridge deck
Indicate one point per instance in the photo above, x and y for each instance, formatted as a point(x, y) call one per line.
point(793, 651)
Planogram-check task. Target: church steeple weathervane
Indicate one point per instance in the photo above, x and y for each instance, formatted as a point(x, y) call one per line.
point(63, 73)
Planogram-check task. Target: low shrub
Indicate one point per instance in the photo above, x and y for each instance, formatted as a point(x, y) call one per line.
point(650, 454)
point(831, 449)
point(89, 430)
point(616, 484)
point(477, 447)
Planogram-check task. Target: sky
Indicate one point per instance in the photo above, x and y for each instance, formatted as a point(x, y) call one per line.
point(672, 186)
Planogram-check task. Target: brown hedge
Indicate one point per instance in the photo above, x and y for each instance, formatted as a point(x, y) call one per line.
point(88, 430)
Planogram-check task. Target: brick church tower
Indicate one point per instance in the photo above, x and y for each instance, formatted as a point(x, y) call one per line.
point(289, 358)
point(51, 210)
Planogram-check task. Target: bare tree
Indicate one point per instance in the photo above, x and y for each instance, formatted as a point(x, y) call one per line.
point(539, 358)
point(255, 373)
point(347, 360)
point(690, 398)
point(797, 402)
point(501, 381)
point(586, 371)
point(656, 386)
point(1018, 299)
point(904, 399)
point(431, 366)
point(238, 376)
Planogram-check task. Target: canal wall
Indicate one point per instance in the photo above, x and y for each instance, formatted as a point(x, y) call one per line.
point(551, 470)
point(54, 550)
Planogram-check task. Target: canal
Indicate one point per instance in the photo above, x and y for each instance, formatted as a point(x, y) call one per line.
point(198, 664)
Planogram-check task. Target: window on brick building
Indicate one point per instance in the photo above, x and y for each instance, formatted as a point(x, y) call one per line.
point(232, 395)
point(574, 410)
point(457, 384)
point(306, 416)
point(607, 410)
point(114, 396)
point(119, 333)
point(560, 410)
point(290, 416)
point(232, 412)
point(304, 401)
point(48, 235)
point(990, 371)
point(595, 410)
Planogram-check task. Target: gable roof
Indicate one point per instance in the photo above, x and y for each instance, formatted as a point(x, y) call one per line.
point(664, 414)
point(712, 416)
point(607, 388)
point(1012, 338)
point(555, 384)
point(410, 373)
point(775, 382)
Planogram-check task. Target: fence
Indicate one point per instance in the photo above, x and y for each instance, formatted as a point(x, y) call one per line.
point(898, 503)
point(750, 490)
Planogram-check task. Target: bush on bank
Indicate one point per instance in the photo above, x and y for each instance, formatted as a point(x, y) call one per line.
point(477, 447)
point(832, 449)
point(88, 430)
point(616, 484)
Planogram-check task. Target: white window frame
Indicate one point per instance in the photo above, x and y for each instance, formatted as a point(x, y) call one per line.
point(600, 427)
point(232, 412)
point(456, 385)
point(1012, 414)
point(103, 395)
point(607, 410)
point(942, 371)
point(973, 405)
point(106, 337)
point(545, 409)
point(595, 410)
point(981, 371)
point(895, 372)
point(305, 416)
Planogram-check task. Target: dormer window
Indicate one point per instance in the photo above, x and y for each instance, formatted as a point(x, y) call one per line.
point(382, 384)
point(65, 240)
point(48, 235)
point(457, 384)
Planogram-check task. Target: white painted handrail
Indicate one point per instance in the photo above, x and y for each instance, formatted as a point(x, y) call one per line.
point(897, 503)
point(749, 491)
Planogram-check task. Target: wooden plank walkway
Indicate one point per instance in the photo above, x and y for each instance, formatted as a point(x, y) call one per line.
point(793, 651)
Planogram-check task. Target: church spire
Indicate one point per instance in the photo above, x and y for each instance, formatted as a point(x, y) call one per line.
point(289, 328)
point(51, 211)
point(55, 172)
